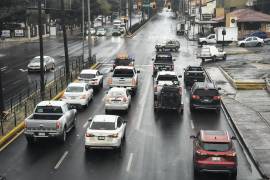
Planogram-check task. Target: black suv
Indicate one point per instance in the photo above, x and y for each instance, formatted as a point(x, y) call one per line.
point(163, 61)
point(204, 95)
point(193, 74)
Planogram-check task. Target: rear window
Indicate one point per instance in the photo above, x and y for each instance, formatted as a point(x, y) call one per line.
point(195, 69)
point(164, 60)
point(123, 73)
point(206, 92)
point(167, 78)
point(46, 117)
point(48, 109)
point(103, 126)
point(74, 89)
point(216, 146)
point(87, 76)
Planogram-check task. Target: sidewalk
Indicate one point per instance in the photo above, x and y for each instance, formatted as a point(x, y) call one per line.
point(250, 114)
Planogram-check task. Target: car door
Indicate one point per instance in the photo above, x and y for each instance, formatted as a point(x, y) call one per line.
point(248, 42)
point(68, 113)
point(255, 41)
point(212, 39)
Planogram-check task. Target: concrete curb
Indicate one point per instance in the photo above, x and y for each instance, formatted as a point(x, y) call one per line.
point(251, 154)
point(244, 85)
point(12, 135)
point(267, 81)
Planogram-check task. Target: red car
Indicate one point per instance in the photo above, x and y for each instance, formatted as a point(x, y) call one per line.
point(214, 152)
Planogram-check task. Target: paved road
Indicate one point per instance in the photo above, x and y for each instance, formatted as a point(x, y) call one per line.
point(157, 146)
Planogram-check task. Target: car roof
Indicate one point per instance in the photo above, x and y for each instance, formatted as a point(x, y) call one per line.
point(77, 84)
point(89, 71)
point(204, 85)
point(215, 136)
point(105, 118)
point(166, 73)
point(124, 67)
point(51, 103)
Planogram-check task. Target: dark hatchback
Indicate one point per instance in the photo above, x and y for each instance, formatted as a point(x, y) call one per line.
point(204, 95)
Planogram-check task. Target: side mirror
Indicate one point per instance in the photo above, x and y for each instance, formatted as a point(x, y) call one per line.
point(193, 137)
point(180, 76)
point(233, 138)
point(111, 70)
point(124, 120)
point(138, 71)
point(90, 119)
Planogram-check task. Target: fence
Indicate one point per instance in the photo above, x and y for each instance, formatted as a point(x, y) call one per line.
point(20, 106)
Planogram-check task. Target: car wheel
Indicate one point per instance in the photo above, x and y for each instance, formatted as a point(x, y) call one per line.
point(214, 58)
point(242, 45)
point(234, 175)
point(30, 140)
point(204, 43)
point(101, 84)
point(225, 57)
point(191, 108)
point(45, 68)
point(259, 44)
point(74, 122)
point(196, 173)
point(107, 111)
point(218, 110)
point(53, 67)
point(63, 137)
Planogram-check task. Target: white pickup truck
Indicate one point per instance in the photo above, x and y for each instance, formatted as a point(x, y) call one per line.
point(50, 119)
point(124, 76)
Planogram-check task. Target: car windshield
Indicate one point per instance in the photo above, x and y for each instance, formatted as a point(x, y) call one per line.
point(74, 89)
point(206, 92)
point(35, 60)
point(87, 76)
point(48, 109)
point(103, 126)
point(167, 78)
point(195, 69)
point(123, 62)
point(116, 93)
point(123, 73)
point(209, 146)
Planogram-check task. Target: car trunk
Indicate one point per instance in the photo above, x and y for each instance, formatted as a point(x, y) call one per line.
point(170, 97)
point(42, 122)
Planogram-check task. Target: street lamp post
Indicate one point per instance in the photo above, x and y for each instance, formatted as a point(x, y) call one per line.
point(89, 33)
point(223, 34)
point(83, 30)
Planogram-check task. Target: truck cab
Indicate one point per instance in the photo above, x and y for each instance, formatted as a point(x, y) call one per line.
point(210, 39)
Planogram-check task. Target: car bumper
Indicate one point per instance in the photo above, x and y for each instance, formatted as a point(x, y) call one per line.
point(102, 144)
point(130, 88)
point(116, 106)
point(206, 106)
point(43, 134)
point(228, 167)
point(76, 102)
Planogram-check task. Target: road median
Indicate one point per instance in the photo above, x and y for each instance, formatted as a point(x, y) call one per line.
point(12, 134)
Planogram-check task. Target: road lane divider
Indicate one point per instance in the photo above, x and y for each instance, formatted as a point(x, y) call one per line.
point(85, 124)
point(192, 124)
point(18, 130)
point(129, 162)
point(61, 160)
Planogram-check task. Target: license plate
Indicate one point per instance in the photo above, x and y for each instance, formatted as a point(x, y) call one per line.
point(215, 158)
point(41, 134)
point(73, 97)
point(101, 137)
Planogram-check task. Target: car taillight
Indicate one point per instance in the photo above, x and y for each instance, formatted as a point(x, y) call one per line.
point(195, 97)
point(110, 81)
point(133, 82)
point(113, 135)
point(216, 97)
point(89, 135)
point(124, 99)
point(58, 125)
point(201, 153)
point(232, 154)
point(83, 97)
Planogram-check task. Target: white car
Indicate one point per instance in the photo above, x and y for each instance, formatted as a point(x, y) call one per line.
point(34, 65)
point(78, 95)
point(92, 30)
point(93, 77)
point(117, 99)
point(105, 132)
point(211, 52)
point(101, 32)
point(251, 42)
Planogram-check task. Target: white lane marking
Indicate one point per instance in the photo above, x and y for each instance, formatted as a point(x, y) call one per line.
point(12, 140)
point(192, 124)
point(129, 162)
point(61, 160)
point(3, 68)
point(85, 124)
point(2, 55)
point(23, 70)
point(148, 84)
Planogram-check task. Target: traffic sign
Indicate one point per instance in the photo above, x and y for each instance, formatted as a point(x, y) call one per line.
point(146, 5)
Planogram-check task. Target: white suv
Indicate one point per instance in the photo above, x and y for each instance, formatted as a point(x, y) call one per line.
point(105, 131)
point(93, 77)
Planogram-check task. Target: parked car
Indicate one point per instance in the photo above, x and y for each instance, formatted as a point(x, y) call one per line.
point(259, 34)
point(180, 28)
point(211, 52)
point(214, 151)
point(171, 45)
point(123, 59)
point(50, 119)
point(162, 61)
point(125, 76)
point(116, 32)
point(34, 65)
point(251, 42)
point(205, 95)
point(101, 32)
point(105, 131)
point(117, 22)
point(93, 77)
point(122, 30)
point(193, 74)
point(165, 78)
point(92, 30)
point(117, 99)
point(78, 95)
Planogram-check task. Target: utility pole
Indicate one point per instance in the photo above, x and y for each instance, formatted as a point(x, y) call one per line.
point(83, 30)
point(2, 108)
point(130, 13)
point(42, 84)
point(65, 40)
point(89, 33)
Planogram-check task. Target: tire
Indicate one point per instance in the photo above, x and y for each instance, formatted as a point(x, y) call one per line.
point(218, 110)
point(214, 58)
point(196, 173)
point(30, 140)
point(242, 45)
point(45, 68)
point(204, 43)
point(53, 67)
point(74, 122)
point(101, 85)
point(107, 111)
point(192, 109)
point(203, 60)
point(259, 44)
point(225, 57)
point(63, 137)
point(233, 175)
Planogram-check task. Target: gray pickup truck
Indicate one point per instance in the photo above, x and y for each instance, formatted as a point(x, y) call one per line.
point(50, 119)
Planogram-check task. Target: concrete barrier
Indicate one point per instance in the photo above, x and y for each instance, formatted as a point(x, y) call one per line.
point(249, 84)
point(267, 81)
point(12, 135)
